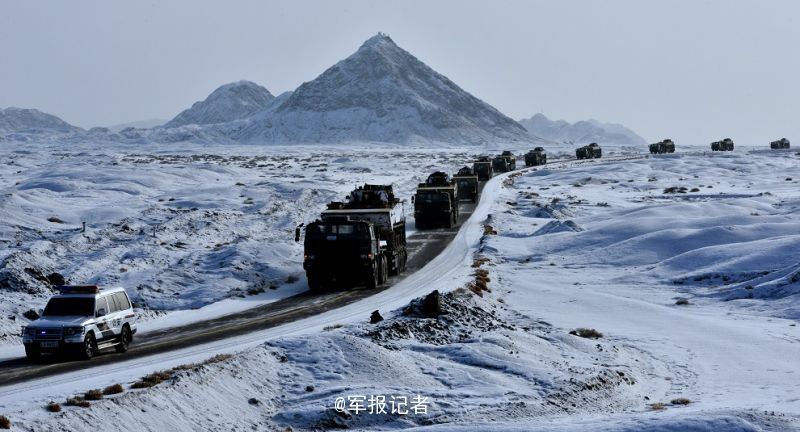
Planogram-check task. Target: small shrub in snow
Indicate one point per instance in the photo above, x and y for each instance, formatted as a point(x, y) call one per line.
point(680, 401)
point(480, 261)
point(5, 423)
point(93, 395)
point(489, 230)
point(153, 379)
point(54, 219)
point(309, 388)
point(682, 302)
point(78, 402)
point(53, 407)
point(658, 406)
point(113, 389)
point(588, 333)
point(332, 327)
point(292, 279)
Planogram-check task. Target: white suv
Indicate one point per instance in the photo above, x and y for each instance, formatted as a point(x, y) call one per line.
point(82, 319)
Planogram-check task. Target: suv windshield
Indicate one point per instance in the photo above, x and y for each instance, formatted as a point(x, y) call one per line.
point(70, 306)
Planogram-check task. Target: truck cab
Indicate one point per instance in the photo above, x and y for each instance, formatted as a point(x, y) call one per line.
point(483, 168)
point(362, 240)
point(434, 207)
point(343, 251)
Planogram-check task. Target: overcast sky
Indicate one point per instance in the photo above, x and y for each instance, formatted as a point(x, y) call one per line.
point(692, 70)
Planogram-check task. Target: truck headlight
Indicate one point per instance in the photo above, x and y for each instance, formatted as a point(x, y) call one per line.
point(72, 331)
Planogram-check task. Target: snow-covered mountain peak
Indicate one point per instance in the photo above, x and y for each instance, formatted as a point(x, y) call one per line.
point(377, 41)
point(228, 102)
point(383, 93)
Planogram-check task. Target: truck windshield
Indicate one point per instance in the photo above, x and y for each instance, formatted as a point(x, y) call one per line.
point(66, 306)
point(433, 197)
point(338, 231)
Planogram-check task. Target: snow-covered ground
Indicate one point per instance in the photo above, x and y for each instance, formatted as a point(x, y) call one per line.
point(181, 228)
point(601, 244)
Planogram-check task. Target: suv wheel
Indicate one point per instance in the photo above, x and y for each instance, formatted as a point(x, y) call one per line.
point(124, 340)
point(89, 347)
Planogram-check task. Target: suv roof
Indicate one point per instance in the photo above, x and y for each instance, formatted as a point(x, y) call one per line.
point(85, 290)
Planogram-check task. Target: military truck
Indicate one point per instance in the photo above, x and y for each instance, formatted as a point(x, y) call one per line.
point(724, 145)
point(483, 168)
point(436, 202)
point(782, 143)
point(511, 158)
point(590, 151)
point(467, 182)
point(500, 164)
point(535, 157)
point(665, 146)
point(362, 240)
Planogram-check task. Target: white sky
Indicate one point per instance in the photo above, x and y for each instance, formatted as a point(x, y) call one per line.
point(692, 70)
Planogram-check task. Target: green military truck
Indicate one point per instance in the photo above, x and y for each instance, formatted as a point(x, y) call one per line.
point(535, 157)
point(436, 202)
point(467, 182)
point(591, 151)
point(361, 241)
point(724, 145)
point(665, 146)
point(782, 143)
point(483, 168)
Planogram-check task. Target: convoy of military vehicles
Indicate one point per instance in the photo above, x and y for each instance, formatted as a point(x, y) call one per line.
point(363, 239)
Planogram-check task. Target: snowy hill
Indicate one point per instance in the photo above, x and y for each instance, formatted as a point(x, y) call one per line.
point(229, 102)
point(581, 132)
point(22, 120)
point(141, 124)
point(382, 93)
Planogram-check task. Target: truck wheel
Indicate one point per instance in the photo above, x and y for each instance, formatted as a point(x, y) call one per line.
point(313, 284)
point(372, 278)
point(381, 273)
point(32, 352)
point(89, 347)
point(124, 339)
